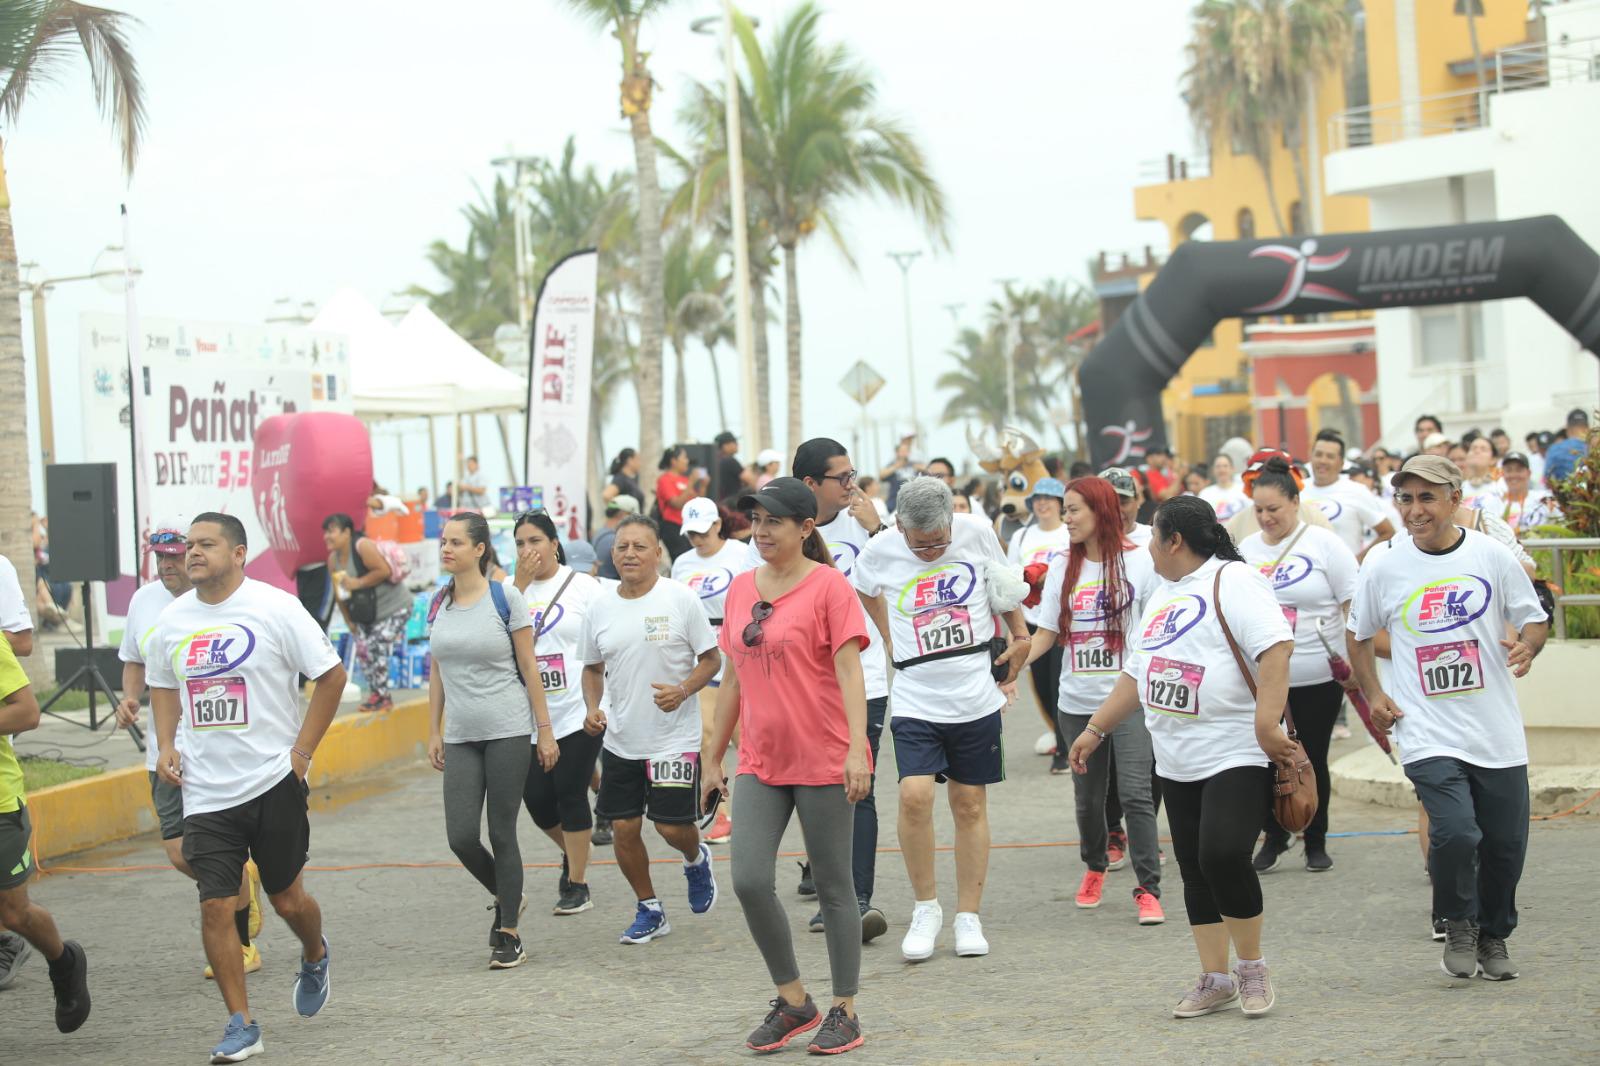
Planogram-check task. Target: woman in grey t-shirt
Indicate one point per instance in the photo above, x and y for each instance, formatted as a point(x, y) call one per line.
point(482, 647)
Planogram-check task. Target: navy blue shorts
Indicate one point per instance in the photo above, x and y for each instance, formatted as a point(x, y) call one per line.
point(968, 753)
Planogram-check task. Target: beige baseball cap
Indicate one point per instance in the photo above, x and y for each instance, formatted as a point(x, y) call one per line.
point(1434, 468)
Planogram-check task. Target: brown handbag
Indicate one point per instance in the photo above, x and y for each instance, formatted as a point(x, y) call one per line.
point(1294, 786)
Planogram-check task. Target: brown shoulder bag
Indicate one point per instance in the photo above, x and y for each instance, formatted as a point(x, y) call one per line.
point(1294, 787)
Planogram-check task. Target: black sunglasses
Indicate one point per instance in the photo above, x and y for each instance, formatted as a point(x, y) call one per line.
point(760, 611)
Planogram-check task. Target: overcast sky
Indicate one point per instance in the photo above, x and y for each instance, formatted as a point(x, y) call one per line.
point(308, 145)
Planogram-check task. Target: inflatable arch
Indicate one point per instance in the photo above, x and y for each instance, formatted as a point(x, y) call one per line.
point(1205, 282)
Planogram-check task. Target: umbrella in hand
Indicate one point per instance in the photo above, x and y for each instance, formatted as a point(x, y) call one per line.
point(1342, 673)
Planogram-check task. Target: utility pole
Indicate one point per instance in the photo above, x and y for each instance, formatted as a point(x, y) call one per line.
point(1013, 338)
point(904, 260)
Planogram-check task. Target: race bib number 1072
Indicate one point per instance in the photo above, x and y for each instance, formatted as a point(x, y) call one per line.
point(1453, 669)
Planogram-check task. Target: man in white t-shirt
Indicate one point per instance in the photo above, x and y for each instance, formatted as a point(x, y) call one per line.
point(166, 543)
point(1446, 596)
point(647, 648)
point(224, 667)
point(15, 622)
point(1131, 494)
point(1348, 507)
point(928, 591)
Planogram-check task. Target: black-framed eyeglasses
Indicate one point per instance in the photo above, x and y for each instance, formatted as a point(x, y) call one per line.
point(845, 480)
point(760, 611)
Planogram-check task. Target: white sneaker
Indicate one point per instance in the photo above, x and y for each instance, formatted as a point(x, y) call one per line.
point(927, 919)
point(969, 935)
point(1045, 745)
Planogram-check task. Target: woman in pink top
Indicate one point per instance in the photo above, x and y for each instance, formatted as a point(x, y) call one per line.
point(792, 640)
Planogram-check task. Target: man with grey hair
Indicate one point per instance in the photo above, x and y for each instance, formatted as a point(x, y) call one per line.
point(928, 594)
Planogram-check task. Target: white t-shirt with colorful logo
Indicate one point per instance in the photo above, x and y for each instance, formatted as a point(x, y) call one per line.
point(1201, 714)
point(847, 539)
point(654, 639)
point(1446, 614)
point(1312, 582)
point(1031, 545)
point(1228, 501)
point(1350, 509)
point(555, 644)
point(933, 607)
point(236, 667)
point(710, 579)
point(1090, 662)
point(144, 609)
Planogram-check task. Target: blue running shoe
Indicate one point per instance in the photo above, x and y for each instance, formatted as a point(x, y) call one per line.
point(239, 1041)
point(311, 987)
point(702, 883)
point(648, 923)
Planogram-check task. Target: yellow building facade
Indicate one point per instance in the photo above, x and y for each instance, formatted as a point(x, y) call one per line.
point(1406, 50)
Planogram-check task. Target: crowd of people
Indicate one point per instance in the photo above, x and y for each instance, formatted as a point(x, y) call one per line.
point(765, 623)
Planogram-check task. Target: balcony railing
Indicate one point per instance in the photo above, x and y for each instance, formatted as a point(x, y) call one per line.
point(1558, 576)
point(1526, 66)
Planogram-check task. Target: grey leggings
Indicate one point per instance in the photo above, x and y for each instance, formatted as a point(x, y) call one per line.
point(827, 824)
point(1134, 757)
point(494, 770)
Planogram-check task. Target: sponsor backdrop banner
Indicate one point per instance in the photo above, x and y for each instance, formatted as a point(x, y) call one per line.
point(1205, 282)
point(206, 387)
point(561, 355)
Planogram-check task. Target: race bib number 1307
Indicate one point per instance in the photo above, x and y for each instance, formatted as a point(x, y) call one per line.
point(218, 703)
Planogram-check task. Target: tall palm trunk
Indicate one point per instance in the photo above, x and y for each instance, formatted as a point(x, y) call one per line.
point(680, 393)
point(636, 86)
point(1272, 195)
point(791, 335)
point(716, 381)
point(16, 528)
point(762, 435)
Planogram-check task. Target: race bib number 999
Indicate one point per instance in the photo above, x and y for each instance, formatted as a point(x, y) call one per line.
point(673, 771)
point(553, 673)
point(1453, 669)
point(218, 703)
point(1172, 687)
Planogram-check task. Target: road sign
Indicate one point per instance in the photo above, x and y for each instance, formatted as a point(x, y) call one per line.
point(861, 383)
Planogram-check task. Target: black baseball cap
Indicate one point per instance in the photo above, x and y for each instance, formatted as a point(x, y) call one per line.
point(1515, 457)
point(724, 438)
point(784, 497)
point(1577, 417)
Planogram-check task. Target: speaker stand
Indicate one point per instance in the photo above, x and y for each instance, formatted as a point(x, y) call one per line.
point(92, 679)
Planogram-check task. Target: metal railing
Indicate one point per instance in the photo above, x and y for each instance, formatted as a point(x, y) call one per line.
point(1173, 168)
point(1558, 575)
point(1525, 66)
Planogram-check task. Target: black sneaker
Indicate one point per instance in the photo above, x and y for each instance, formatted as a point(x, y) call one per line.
point(1270, 857)
point(1494, 962)
point(815, 925)
point(1317, 860)
point(508, 954)
point(574, 899)
point(1438, 929)
point(838, 1034)
point(1059, 764)
point(782, 1024)
point(1460, 949)
point(807, 886)
point(72, 990)
point(602, 832)
point(873, 923)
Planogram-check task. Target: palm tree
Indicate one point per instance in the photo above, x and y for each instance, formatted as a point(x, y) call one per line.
point(979, 382)
point(38, 39)
point(691, 287)
point(622, 19)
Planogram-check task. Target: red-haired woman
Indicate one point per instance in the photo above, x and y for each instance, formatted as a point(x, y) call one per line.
point(1095, 594)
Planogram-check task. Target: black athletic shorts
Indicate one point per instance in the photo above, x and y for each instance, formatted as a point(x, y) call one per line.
point(168, 802)
point(626, 790)
point(272, 829)
point(969, 753)
point(16, 854)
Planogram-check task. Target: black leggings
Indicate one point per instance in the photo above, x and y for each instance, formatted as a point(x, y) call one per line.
point(1314, 708)
point(1214, 824)
point(561, 796)
point(1046, 674)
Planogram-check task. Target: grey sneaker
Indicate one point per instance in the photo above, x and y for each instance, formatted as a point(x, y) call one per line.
point(1208, 996)
point(1494, 962)
point(14, 951)
point(1460, 949)
point(873, 923)
point(1256, 996)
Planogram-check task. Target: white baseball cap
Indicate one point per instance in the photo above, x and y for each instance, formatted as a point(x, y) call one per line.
point(768, 457)
point(699, 515)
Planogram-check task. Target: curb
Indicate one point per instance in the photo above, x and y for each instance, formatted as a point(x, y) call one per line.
point(115, 806)
point(1367, 776)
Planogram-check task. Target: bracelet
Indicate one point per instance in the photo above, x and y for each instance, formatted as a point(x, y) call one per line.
point(303, 754)
point(1090, 727)
point(545, 725)
point(685, 692)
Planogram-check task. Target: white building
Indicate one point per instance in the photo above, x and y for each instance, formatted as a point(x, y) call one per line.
point(1525, 146)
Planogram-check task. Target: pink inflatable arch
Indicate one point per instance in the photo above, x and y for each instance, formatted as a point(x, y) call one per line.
point(307, 466)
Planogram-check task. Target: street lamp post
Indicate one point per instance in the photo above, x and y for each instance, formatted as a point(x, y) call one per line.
point(41, 341)
point(1013, 338)
point(743, 326)
point(904, 261)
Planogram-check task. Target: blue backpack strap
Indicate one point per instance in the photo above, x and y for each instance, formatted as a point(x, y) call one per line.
point(502, 606)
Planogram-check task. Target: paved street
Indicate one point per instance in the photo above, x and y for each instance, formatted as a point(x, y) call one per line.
point(1357, 975)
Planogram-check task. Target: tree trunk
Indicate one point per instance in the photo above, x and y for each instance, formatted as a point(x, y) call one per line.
point(680, 394)
point(652, 312)
point(758, 316)
point(791, 333)
point(716, 380)
point(1272, 197)
point(16, 526)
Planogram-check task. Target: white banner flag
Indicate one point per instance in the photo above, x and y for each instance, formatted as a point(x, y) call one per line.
point(561, 359)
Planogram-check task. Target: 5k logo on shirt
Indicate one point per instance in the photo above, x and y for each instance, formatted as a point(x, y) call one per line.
point(1175, 618)
point(213, 651)
point(1451, 603)
point(942, 586)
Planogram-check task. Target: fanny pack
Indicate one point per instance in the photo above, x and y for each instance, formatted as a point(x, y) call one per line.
point(995, 646)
